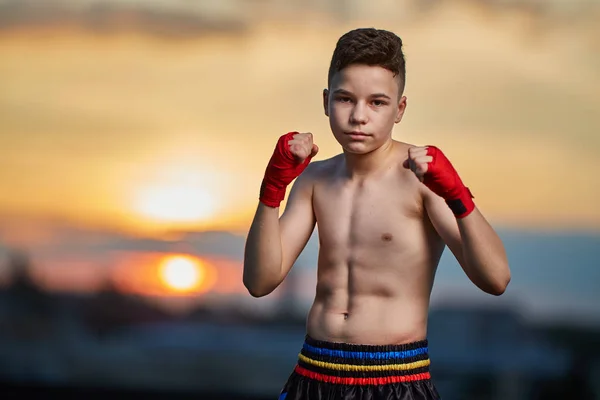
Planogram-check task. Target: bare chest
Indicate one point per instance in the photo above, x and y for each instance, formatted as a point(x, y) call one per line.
point(375, 214)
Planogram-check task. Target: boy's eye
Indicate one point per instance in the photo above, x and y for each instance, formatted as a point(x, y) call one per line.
point(343, 99)
point(379, 103)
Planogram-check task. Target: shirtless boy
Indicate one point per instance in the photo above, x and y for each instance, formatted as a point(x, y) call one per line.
point(385, 210)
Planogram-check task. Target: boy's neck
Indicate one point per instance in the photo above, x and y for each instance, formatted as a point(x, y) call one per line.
point(364, 165)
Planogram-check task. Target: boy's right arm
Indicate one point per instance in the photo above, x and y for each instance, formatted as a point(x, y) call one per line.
point(274, 243)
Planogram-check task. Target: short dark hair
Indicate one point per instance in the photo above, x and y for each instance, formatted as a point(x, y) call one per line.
point(369, 46)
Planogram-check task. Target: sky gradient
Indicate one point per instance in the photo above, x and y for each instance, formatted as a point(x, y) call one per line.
point(144, 134)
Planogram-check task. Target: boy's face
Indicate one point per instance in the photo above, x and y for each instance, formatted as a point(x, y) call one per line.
point(363, 103)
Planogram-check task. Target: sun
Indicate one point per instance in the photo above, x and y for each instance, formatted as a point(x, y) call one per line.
point(182, 273)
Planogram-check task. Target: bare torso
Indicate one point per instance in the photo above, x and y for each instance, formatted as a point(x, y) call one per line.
point(378, 255)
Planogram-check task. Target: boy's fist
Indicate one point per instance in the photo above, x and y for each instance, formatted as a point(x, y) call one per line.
point(432, 168)
point(292, 154)
point(418, 161)
point(302, 146)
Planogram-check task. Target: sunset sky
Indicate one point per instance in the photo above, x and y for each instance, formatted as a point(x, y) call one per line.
point(139, 133)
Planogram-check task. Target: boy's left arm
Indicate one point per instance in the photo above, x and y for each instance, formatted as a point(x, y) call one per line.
point(451, 209)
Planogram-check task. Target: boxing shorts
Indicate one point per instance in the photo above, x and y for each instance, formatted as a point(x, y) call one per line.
point(343, 371)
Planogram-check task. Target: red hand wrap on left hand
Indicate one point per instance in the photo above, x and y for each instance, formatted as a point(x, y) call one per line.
point(443, 180)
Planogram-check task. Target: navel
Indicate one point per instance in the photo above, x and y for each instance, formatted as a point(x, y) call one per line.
point(345, 315)
point(386, 237)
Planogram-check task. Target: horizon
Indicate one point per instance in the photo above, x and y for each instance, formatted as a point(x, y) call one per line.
point(554, 273)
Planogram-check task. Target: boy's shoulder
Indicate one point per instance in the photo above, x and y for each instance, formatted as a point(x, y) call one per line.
point(401, 146)
point(325, 167)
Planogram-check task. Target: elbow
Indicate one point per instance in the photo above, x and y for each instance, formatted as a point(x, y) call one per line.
point(499, 286)
point(257, 290)
point(260, 281)
point(497, 290)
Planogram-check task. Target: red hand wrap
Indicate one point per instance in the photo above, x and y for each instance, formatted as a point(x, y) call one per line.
point(443, 180)
point(282, 169)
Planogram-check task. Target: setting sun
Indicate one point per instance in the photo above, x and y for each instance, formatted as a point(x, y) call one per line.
point(182, 273)
point(165, 275)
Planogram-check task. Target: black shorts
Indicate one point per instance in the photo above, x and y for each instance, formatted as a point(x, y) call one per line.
point(328, 370)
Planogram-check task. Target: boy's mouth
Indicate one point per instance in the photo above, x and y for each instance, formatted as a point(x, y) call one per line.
point(357, 135)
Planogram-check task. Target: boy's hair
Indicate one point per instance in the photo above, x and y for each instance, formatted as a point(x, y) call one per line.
point(369, 46)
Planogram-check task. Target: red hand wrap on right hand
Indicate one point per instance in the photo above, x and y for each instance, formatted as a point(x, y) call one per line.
point(282, 169)
point(443, 180)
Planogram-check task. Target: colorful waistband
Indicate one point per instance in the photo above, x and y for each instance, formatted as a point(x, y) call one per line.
point(353, 364)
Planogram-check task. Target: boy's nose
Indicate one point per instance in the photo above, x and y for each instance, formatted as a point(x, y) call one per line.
point(358, 115)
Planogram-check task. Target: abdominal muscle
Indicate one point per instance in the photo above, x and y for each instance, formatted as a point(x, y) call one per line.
point(365, 317)
point(385, 324)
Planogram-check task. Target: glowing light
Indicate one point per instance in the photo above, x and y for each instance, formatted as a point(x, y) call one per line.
point(182, 273)
point(176, 203)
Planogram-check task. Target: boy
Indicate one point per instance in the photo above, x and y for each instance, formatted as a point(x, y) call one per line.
point(385, 211)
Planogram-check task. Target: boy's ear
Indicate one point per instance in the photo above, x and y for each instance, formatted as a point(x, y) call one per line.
point(401, 108)
point(326, 101)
